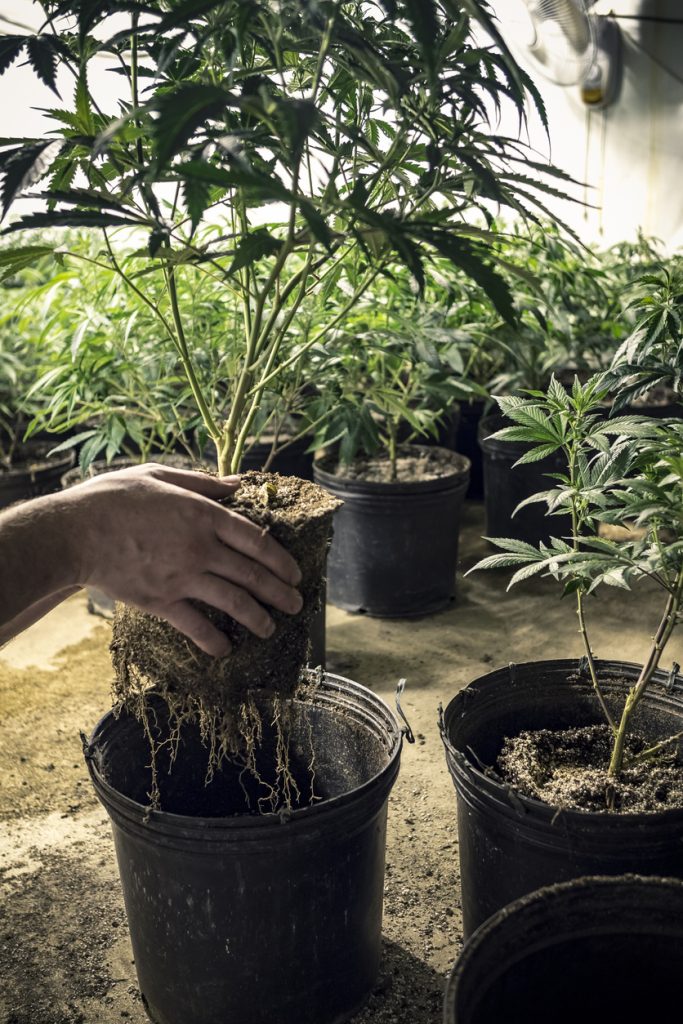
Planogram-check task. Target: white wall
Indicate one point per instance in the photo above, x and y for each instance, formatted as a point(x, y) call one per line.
point(630, 154)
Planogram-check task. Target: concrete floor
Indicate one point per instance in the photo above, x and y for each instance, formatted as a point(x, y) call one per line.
point(65, 957)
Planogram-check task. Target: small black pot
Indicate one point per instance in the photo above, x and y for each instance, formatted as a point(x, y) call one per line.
point(505, 487)
point(245, 918)
point(36, 474)
point(395, 545)
point(595, 950)
point(511, 844)
point(294, 460)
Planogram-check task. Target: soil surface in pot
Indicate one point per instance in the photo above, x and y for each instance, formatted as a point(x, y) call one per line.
point(568, 768)
point(32, 456)
point(414, 464)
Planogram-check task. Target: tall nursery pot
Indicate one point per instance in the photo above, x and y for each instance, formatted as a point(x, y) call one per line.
point(245, 918)
point(511, 844)
point(395, 546)
point(594, 950)
point(506, 485)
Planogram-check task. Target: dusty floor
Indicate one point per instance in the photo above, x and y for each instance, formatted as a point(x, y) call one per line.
point(64, 951)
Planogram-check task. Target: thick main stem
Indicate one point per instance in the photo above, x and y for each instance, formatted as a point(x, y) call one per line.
point(659, 642)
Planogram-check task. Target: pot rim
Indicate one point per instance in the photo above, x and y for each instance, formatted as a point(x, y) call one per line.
point(336, 686)
point(457, 478)
point(550, 897)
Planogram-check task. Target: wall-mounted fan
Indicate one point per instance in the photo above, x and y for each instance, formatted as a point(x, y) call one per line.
point(567, 42)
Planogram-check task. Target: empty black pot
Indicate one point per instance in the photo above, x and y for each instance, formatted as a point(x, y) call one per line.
point(511, 844)
point(395, 546)
point(506, 485)
point(593, 950)
point(245, 918)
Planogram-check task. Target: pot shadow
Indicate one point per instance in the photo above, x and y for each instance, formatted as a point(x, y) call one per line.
point(408, 989)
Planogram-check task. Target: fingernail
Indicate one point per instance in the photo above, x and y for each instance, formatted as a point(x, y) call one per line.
point(297, 603)
point(233, 479)
point(269, 630)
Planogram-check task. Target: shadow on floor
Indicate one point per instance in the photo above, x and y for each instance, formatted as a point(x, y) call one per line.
point(408, 990)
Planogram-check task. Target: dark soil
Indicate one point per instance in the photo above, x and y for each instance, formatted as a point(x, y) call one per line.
point(146, 649)
point(568, 768)
point(32, 457)
point(415, 463)
point(221, 693)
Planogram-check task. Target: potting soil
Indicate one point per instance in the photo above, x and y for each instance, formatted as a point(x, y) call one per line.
point(568, 768)
point(430, 464)
point(219, 694)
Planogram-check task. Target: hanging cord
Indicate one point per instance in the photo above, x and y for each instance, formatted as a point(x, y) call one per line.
point(646, 17)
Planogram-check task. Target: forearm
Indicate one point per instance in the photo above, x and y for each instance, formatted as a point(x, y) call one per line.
point(38, 561)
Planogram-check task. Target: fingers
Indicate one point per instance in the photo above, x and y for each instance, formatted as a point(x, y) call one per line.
point(254, 542)
point(233, 600)
point(255, 578)
point(201, 483)
point(188, 620)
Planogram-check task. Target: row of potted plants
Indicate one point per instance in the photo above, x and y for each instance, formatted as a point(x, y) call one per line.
point(367, 129)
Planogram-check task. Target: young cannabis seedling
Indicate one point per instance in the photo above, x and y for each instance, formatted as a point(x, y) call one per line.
point(626, 471)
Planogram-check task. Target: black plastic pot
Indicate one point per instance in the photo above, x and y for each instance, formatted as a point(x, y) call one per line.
point(241, 918)
point(511, 844)
point(595, 950)
point(467, 443)
point(505, 487)
point(395, 545)
point(36, 474)
point(294, 460)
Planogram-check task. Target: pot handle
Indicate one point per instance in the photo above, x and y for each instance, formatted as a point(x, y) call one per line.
point(405, 728)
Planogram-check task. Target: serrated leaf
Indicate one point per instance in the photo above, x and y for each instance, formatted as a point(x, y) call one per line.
point(196, 194)
point(505, 561)
point(69, 218)
point(10, 48)
point(25, 168)
point(254, 246)
point(536, 454)
point(72, 441)
point(43, 60)
point(316, 222)
point(512, 544)
point(181, 112)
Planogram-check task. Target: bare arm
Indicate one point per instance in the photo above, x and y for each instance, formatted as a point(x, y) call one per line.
point(153, 537)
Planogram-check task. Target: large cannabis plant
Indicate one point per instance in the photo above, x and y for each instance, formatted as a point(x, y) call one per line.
point(626, 471)
point(362, 126)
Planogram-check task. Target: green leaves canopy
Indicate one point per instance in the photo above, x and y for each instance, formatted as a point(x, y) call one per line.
point(370, 121)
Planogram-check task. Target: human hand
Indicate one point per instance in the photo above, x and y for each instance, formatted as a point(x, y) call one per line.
point(156, 537)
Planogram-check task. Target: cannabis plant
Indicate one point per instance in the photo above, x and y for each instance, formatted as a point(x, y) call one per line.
point(625, 471)
point(363, 127)
point(391, 375)
point(113, 389)
point(651, 357)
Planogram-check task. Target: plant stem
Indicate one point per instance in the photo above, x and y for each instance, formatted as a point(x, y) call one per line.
point(393, 445)
point(583, 629)
point(204, 410)
point(659, 642)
